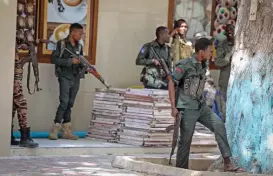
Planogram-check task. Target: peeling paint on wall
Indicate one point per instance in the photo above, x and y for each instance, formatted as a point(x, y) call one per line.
point(249, 112)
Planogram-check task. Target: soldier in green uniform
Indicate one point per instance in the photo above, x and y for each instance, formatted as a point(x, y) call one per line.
point(69, 72)
point(187, 101)
point(223, 60)
point(152, 75)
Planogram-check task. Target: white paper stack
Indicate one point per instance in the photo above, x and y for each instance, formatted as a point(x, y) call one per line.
point(146, 114)
point(106, 114)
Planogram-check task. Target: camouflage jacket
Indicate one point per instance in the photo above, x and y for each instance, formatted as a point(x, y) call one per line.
point(223, 60)
point(153, 76)
point(181, 49)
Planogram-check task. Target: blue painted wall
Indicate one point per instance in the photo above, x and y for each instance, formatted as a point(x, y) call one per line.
point(249, 112)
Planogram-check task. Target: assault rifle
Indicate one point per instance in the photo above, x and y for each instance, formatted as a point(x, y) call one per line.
point(32, 60)
point(88, 66)
point(162, 64)
point(174, 127)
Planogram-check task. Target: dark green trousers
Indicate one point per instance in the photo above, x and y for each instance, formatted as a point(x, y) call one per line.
point(209, 119)
point(68, 91)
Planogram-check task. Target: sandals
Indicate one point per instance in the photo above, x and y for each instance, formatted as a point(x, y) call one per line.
point(234, 169)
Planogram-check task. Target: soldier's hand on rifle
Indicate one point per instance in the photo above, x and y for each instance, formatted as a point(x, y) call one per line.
point(174, 112)
point(75, 61)
point(156, 62)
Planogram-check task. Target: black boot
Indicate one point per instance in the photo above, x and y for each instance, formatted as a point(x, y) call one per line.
point(26, 141)
point(12, 140)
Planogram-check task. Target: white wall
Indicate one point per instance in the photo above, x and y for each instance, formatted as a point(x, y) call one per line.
point(7, 36)
point(123, 27)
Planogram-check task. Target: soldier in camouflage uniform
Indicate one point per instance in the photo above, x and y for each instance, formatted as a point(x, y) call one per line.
point(20, 105)
point(223, 60)
point(180, 47)
point(152, 75)
point(188, 103)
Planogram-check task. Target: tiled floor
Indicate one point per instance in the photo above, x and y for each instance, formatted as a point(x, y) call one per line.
point(81, 143)
point(62, 165)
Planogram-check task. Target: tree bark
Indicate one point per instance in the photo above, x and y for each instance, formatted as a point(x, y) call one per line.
point(250, 91)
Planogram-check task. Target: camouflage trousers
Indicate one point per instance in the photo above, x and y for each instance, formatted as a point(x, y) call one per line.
point(19, 104)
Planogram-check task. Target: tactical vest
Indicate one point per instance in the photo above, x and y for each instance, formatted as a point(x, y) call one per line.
point(62, 48)
point(194, 86)
point(154, 76)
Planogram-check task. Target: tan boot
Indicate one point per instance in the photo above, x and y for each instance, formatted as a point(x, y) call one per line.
point(67, 132)
point(54, 131)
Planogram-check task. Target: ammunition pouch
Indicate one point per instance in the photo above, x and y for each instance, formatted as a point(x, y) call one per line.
point(82, 71)
point(142, 75)
point(57, 71)
point(194, 86)
point(151, 77)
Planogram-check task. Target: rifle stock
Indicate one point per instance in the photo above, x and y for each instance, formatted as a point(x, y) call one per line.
point(35, 67)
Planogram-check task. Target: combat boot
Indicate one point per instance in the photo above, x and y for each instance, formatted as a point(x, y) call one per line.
point(67, 132)
point(26, 141)
point(54, 131)
point(13, 141)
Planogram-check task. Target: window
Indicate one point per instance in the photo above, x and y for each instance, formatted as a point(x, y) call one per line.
point(54, 19)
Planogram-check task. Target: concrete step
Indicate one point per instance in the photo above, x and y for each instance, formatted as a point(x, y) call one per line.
point(94, 147)
point(198, 161)
point(159, 166)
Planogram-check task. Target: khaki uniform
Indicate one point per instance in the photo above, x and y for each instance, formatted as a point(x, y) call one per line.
point(189, 75)
point(223, 60)
point(181, 49)
point(153, 76)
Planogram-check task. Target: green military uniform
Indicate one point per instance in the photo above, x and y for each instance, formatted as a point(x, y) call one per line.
point(223, 60)
point(189, 75)
point(69, 76)
point(153, 76)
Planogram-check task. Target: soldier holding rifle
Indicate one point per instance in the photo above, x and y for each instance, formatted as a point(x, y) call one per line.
point(153, 75)
point(69, 71)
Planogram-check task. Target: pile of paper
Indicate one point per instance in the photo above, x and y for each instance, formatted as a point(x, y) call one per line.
point(146, 114)
point(106, 114)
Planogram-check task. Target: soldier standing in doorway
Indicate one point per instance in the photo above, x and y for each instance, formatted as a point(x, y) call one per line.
point(187, 101)
point(69, 71)
point(223, 60)
point(152, 75)
point(19, 102)
point(181, 48)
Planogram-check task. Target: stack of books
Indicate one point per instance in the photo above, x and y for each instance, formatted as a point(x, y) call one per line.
point(106, 114)
point(146, 114)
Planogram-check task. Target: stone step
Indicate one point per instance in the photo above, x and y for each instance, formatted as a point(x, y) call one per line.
point(198, 161)
point(159, 166)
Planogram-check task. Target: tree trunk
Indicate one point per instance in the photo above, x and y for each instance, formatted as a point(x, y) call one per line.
point(250, 91)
